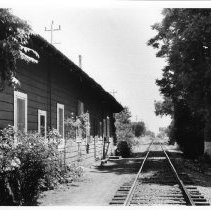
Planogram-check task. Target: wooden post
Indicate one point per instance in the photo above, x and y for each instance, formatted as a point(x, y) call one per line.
point(103, 148)
point(65, 154)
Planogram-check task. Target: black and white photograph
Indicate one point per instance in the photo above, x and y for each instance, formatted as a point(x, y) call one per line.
point(105, 103)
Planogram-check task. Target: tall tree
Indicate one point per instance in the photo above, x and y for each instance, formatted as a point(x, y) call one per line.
point(183, 38)
point(164, 107)
point(14, 36)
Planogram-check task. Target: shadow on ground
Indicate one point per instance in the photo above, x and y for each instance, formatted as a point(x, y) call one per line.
point(123, 166)
point(133, 164)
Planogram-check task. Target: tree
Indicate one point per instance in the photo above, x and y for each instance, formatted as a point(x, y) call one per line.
point(183, 39)
point(164, 107)
point(163, 132)
point(124, 132)
point(123, 125)
point(139, 128)
point(14, 36)
point(150, 133)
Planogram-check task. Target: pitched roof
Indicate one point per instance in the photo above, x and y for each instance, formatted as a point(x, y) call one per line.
point(107, 97)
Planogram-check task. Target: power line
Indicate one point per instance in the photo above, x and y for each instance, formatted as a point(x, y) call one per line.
point(52, 29)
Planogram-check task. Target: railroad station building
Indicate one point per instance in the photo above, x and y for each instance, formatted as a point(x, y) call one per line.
point(53, 90)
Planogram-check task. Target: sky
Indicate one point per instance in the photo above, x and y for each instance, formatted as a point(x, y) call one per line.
point(111, 37)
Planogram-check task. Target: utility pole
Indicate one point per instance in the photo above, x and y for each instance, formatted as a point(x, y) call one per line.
point(52, 29)
point(113, 92)
point(80, 61)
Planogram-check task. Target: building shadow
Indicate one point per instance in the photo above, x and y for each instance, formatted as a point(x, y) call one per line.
point(152, 167)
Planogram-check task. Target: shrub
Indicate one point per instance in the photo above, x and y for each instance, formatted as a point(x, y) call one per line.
point(38, 161)
point(124, 149)
point(8, 168)
point(31, 166)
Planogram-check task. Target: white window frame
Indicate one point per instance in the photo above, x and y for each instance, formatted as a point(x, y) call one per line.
point(60, 106)
point(42, 113)
point(20, 95)
point(80, 107)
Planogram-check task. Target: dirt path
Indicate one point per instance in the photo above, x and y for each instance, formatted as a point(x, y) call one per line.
point(98, 185)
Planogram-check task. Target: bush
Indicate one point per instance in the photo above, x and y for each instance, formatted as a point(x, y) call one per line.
point(8, 168)
point(31, 166)
point(123, 149)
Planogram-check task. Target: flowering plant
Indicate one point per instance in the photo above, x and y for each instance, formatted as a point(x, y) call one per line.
point(78, 127)
point(8, 157)
point(28, 167)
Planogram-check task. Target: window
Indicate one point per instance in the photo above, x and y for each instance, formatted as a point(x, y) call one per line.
point(20, 111)
point(60, 119)
point(80, 107)
point(42, 122)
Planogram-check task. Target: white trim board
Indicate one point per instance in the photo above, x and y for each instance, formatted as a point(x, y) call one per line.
point(42, 113)
point(60, 106)
point(23, 96)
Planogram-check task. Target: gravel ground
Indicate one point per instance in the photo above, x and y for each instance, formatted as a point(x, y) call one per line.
point(99, 184)
point(157, 185)
point(199, 171)
point(95, 188)
point(201, 179)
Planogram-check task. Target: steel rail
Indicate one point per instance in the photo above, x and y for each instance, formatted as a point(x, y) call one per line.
point(186, 193)
point(129, 196)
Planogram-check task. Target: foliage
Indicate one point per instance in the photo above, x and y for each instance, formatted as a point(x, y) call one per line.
point(150, 133)
point(14, 36)
point(70, 128)
point(8, 161)
point(164, 107)
point(34, 160)
point(138, 128)
point(32, 165)
point(124, 129)
point(9, 164)
point(183, 39)
point(123, 125)
point(163, 132)
point(123, 149)
point(78, 126)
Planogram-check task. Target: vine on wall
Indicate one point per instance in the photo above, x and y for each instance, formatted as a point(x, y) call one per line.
point(78, 128)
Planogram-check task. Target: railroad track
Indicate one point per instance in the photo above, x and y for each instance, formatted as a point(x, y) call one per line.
point(158, 183)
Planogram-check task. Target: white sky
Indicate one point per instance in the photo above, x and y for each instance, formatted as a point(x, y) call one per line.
point(111, 36)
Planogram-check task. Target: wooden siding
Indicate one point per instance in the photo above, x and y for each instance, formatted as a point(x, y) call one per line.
point(48, 83)
point(63, 88)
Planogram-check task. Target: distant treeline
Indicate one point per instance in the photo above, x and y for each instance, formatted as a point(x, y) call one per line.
point(126, 130)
